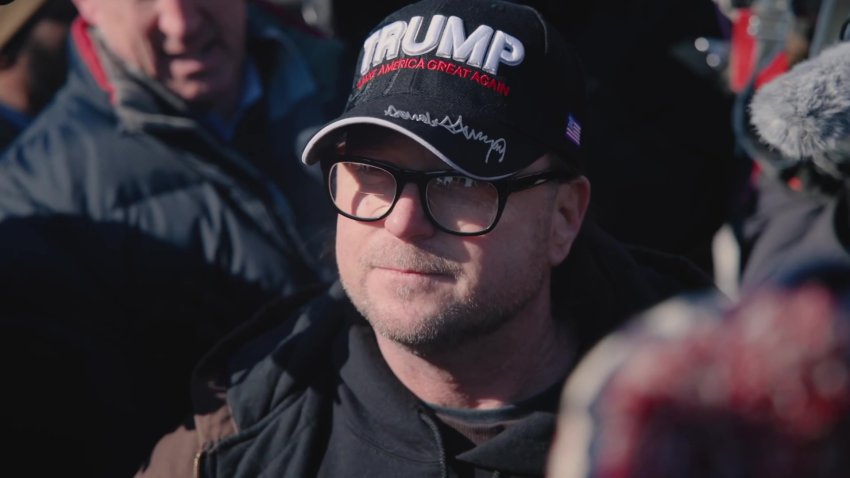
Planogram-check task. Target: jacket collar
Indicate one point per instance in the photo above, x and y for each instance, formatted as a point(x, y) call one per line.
point(222, 401)
point(87, 64)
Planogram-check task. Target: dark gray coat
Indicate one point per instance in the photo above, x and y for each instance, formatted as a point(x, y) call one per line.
point(131, 240)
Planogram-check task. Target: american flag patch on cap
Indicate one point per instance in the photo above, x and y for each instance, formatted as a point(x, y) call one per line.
point(573, 130)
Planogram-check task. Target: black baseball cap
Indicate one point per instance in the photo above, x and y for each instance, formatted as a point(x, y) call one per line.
point(488, 86)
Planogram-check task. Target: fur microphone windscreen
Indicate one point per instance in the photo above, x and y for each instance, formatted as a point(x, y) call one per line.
point(805, 113)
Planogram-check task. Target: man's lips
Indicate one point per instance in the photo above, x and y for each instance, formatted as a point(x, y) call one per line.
point(409, 263)
point(401, 270)
point(414, 274)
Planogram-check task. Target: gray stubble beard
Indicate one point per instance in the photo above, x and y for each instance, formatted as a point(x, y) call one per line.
point(453, 325)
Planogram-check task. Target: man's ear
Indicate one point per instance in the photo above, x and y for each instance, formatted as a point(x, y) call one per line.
point(570, 206)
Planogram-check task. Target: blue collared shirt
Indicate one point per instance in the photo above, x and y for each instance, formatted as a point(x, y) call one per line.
point(12, 123)
point(252, 92)
point(15, 117)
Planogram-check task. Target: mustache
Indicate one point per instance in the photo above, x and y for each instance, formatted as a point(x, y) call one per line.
point(408, 258)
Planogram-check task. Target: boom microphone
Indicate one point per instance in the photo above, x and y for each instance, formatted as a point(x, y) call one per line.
point(805, 115)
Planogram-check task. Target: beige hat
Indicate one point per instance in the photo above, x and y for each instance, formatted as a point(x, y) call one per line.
point(14, 16)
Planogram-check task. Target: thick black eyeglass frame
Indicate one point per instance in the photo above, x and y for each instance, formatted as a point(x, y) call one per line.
point(504, 187)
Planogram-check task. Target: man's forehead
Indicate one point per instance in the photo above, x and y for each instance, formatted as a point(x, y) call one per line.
point(364, 136)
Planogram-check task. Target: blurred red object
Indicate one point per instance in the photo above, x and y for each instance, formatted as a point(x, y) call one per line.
point(761, 390)
point(743, 57)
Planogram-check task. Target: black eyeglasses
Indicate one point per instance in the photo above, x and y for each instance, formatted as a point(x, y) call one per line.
point(367, 190)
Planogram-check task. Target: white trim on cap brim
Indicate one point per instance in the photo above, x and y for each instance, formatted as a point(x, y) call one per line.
point(322, 133)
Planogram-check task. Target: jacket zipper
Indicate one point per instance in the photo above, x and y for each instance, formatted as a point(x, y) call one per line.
point(439, 439)
point(196, 464)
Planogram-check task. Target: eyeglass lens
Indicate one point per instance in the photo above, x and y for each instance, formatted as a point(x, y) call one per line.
point(456, 203)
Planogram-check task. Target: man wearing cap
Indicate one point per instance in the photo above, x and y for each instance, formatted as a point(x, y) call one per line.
point(468, 284)
point(32, 60)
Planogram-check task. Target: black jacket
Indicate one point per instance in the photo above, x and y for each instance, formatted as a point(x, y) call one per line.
point(304, 391)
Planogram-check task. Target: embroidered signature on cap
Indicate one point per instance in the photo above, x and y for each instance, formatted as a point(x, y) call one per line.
point(497, 147)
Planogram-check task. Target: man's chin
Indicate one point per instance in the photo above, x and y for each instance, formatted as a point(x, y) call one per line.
point(201, 102)
point(200, 96)
point(417, 327)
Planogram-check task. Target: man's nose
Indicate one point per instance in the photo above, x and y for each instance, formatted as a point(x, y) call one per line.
point(179, 22)
point(408, 220)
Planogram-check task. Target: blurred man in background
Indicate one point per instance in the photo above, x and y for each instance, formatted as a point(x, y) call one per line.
point(32, 60)
point(155, 204)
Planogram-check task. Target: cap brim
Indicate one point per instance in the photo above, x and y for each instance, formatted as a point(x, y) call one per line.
point(326, 137)
point(444, 131)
